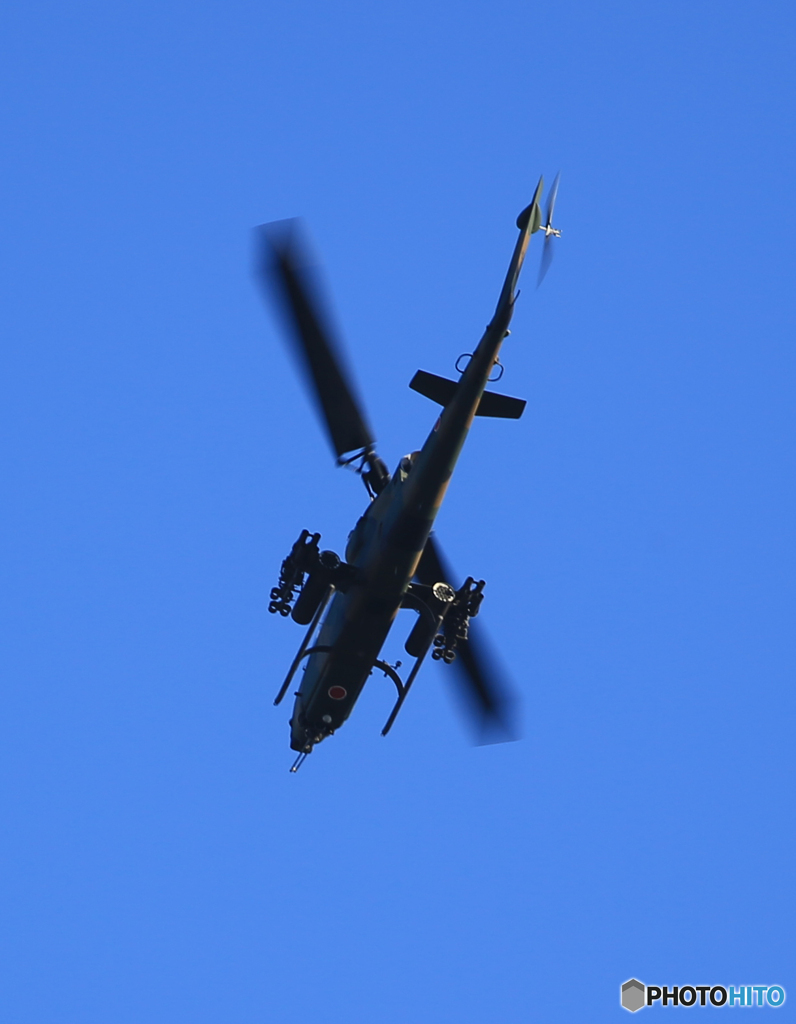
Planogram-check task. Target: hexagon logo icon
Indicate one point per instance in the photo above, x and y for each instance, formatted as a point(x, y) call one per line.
point(633, 995)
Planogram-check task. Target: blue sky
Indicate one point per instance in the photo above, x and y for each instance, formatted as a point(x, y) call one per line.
point(635, 528)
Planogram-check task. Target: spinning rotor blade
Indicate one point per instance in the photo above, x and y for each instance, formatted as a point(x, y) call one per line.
point(547, 258)
point(284, 266)
point(547, 250)
point(478, 675)
point(551, 201)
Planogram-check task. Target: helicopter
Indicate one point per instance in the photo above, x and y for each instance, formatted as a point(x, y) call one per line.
point(392, 560)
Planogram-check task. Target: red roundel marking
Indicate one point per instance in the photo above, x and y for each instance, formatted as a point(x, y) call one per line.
point(338, 693)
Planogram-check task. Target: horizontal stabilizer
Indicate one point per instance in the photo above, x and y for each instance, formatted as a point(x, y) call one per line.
point(500, 406)
point(441, 391)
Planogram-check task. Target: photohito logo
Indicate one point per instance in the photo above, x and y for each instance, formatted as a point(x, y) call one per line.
point(636, 994)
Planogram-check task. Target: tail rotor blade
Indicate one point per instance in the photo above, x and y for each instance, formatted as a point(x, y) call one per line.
point(480, 680)
point(551, 201)
point(283, 266)
point(547, 258)
point(550, 233)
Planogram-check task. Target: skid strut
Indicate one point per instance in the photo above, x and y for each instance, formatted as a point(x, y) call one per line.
point(403, 688)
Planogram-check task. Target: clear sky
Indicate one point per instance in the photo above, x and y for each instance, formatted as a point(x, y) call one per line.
point(635, 528)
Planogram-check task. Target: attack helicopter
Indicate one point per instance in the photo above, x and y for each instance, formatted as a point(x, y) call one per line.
point(392, 560)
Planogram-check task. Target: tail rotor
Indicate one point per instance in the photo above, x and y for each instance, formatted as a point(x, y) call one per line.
point(549, 232)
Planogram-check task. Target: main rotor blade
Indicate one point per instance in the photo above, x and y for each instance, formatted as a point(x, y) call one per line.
point(283, 265)
point(480, 680)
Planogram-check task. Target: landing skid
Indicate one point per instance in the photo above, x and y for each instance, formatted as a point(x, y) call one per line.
point(433, 605)
point(303, 650)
